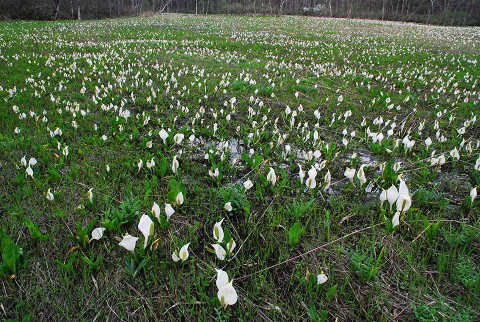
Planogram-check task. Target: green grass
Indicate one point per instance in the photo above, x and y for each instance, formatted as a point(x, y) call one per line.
point(234, 84)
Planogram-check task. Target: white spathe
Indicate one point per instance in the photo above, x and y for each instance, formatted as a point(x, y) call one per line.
point(219, 251)
point(183, 253)
point(321, 278)
point(404, 200)
point(128, 242)
point(248, 184)
point(146, 228)
point(179, 198)
point(156, 210)
point(392, 196)
point(271, 176)
point(169, 210)
point(226, 293)
point(349, 173)
point(218, 231)
point(97, 233)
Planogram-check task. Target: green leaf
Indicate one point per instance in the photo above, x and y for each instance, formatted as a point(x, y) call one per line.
point(175, 188)
point(141, 266)
point(11, 254)
point(91, 264)
point(68, 267)
point(295, 233)
point(162, 167)
point(331, 292)
point(35, 233)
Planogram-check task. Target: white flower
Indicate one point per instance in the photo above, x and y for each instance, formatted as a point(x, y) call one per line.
point(65, 151)
point(473, 194)
point(272, 177)
point(179, 199)
point(226, 293)
point(163, 135)
point(128, 242)
point(301, 174)
point(349, 173)
point(312, 173)
point(146, 228)
point(140, 165)
point(321, 278)
point(50, 196)
point(383, 197)
point(183, 253)
point(32, 162)
point(218, 231)
point(178, 138)
point(248, 184)
point(231, 245)
point(454, 154)
point(428, 141)
point(396, 219)
point(397, 166)
point(222, 278)
point(156, 210)
point(214, 174)
point(404, 200)
point(149, 144)
point(392, 195)
point(151, 163)
point(175, 165)
point(219, 251)
point(90, 195)
point(328, 180)
point(23, 161)
point(29, 171)
point(169, 210)
point(477, 164)
point(175, 257)
point(97, 233)
point(441, 159)
point(311, 183)
point(228, 206)
point(361, 175)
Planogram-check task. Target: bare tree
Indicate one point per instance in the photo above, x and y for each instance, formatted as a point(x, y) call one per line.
point(57, 9)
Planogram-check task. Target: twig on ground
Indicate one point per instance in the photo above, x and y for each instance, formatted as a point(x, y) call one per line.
point(310, 251)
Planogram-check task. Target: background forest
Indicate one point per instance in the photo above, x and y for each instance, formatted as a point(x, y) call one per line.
point(447, 12)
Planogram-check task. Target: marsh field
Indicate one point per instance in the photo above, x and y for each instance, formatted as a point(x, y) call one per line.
point(183, 167)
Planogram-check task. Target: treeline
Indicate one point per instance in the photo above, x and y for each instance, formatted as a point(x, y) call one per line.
point(448, 12)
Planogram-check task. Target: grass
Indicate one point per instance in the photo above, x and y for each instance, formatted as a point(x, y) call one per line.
point(87, 101)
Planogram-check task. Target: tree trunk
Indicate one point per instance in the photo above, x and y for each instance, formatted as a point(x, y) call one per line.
point(57, 9)
point(383, 9)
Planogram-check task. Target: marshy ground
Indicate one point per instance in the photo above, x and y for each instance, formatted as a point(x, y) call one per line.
point(287, 128)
